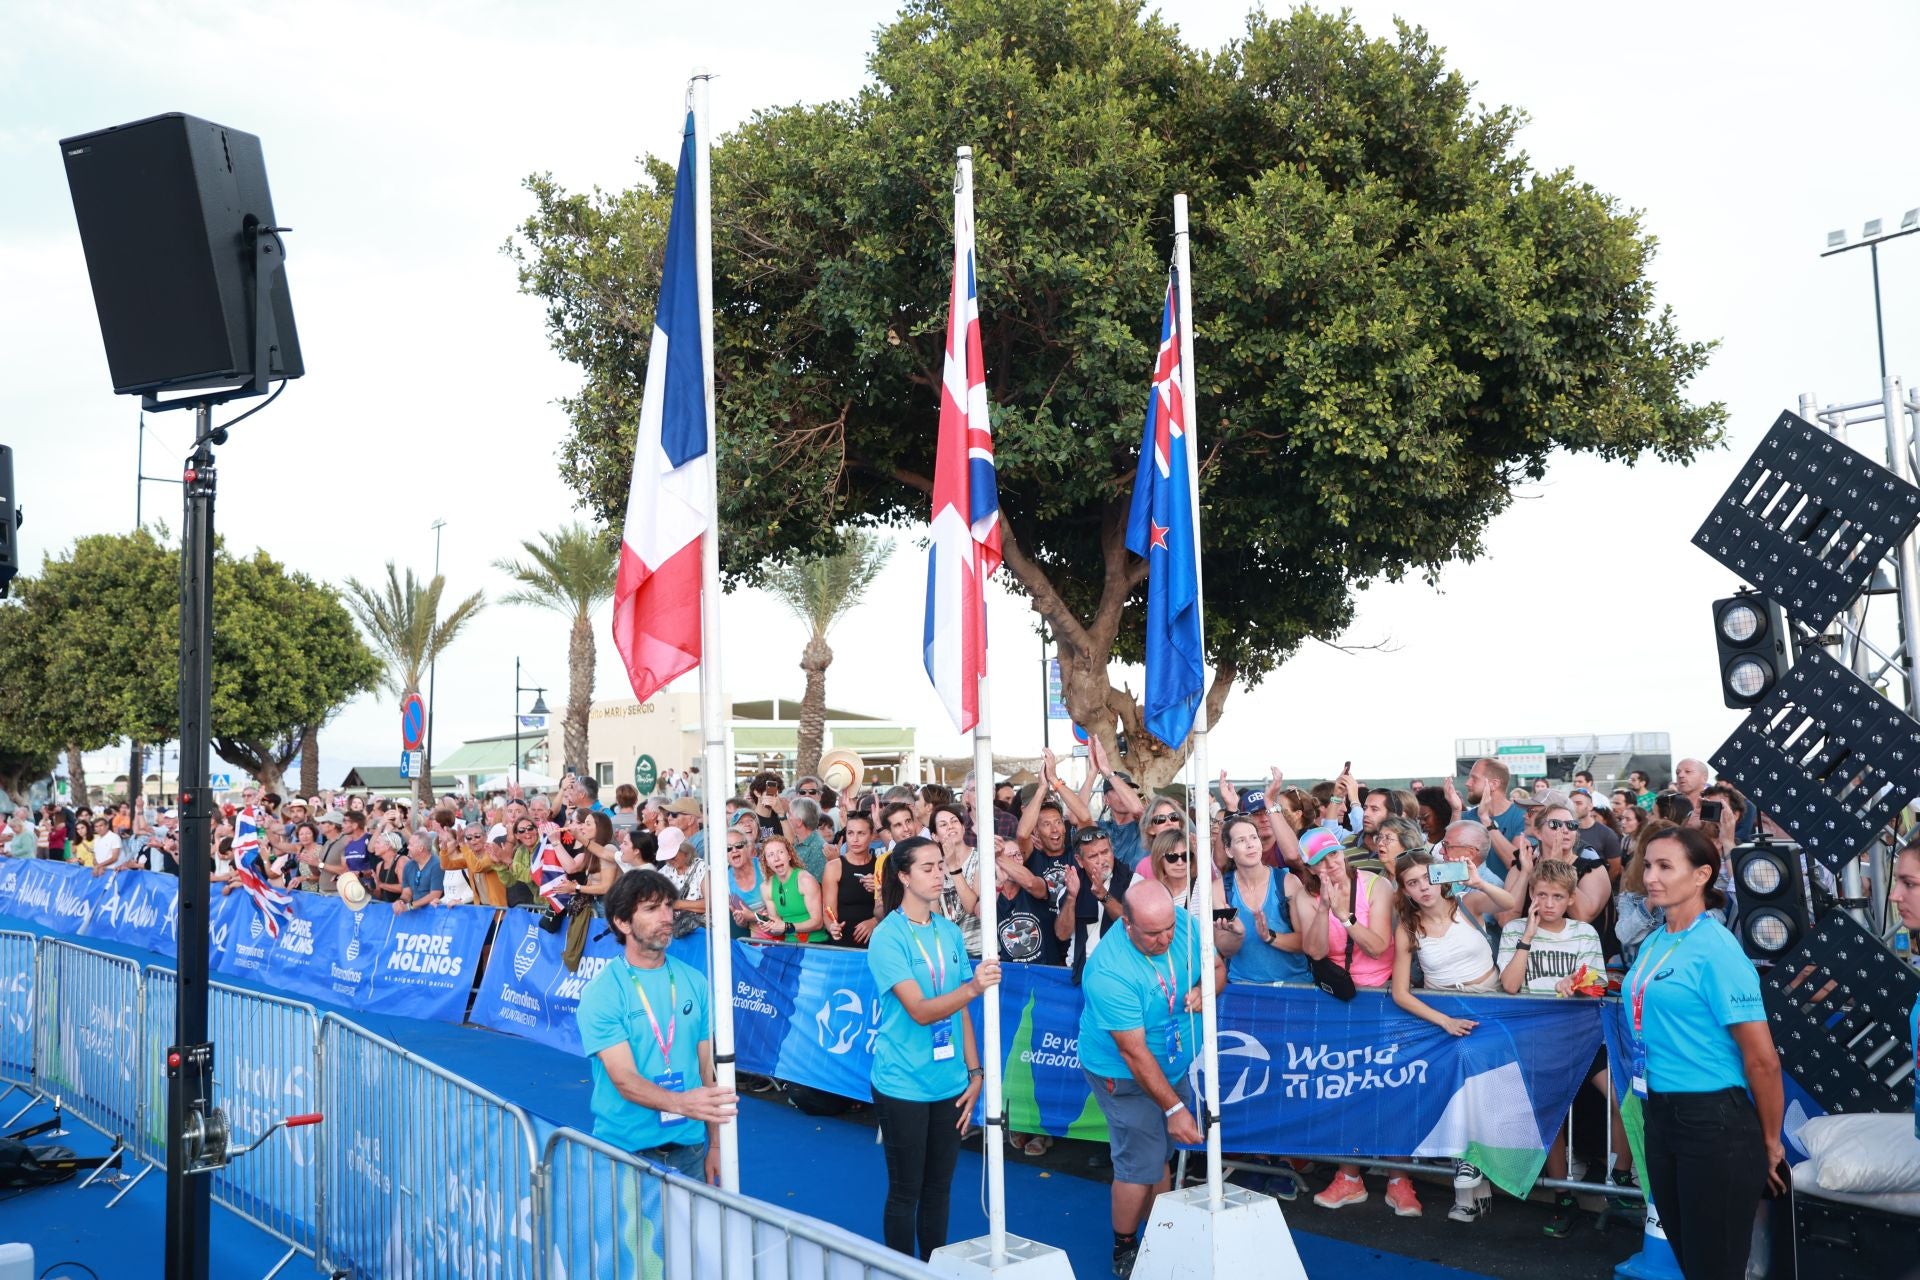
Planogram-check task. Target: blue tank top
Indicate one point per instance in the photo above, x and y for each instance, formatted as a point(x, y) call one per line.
point(749, 896)
point(1257, 961)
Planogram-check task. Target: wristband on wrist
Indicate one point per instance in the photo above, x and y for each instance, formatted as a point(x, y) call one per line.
point(1523, 946)
point(1178, 1106)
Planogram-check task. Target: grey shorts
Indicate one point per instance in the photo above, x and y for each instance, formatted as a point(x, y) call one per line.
point(1136, 1130)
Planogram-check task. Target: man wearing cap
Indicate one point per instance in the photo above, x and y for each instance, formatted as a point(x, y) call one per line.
point(684, 816)
point(314, 875)
point(1139, 1031)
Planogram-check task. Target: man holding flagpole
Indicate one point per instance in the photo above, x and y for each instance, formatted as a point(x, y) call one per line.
point(667, 592)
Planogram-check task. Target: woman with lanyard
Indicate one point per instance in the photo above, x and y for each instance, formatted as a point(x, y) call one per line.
point(1906, 900)
point(1703, 1060)
point(926, 1067)
point(1261, 943)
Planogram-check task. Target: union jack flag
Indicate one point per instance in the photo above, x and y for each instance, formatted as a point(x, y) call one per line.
point(249, 868)
point(966, 499)
point(550, 877)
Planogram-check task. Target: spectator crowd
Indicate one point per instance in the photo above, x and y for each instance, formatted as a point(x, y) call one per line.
point(1522, 890)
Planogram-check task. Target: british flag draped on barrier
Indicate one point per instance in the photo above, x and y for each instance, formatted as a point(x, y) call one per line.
point(275, 904)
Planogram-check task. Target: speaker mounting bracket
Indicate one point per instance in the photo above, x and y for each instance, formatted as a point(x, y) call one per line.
point(269, 255)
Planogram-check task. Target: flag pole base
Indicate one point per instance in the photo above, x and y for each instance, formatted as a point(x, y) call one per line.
point(1188, 1239)
point(1026, 1259)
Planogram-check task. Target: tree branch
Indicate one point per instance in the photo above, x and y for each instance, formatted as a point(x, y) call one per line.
point(1046, 601)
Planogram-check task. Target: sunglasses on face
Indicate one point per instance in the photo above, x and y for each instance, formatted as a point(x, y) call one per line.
point(1560, 824)
point(735, 848)
point(1175, 857)
point(523, 829)
point(1165, 819)
point(808, 791)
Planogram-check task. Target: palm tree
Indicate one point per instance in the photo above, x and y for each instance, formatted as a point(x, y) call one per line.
point(402, 620)
point(570, 571)
point(820, 591)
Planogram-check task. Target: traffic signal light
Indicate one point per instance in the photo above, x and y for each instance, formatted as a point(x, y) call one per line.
point(1770, 894)
point(1751, 633)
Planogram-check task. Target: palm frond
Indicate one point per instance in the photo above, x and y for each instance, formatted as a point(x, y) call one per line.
point(821, 590)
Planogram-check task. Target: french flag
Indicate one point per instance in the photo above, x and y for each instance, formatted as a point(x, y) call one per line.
point(656, 595)
point(966, 501)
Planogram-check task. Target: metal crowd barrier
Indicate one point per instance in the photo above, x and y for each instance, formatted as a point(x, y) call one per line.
point(606, 1213)
point(86, 1038)
point(265, 1067)
point(421, 1174)
point(16, 1009)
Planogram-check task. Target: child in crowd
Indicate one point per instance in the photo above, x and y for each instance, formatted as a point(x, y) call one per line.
point(1543, 954)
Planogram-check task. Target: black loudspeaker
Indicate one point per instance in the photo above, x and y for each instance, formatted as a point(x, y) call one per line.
point(167, 208)
point(9, 523)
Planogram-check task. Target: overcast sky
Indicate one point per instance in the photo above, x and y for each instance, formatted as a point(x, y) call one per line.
point(397, 137)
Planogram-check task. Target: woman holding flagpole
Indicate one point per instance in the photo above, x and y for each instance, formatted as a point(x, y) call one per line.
point(926, 1066)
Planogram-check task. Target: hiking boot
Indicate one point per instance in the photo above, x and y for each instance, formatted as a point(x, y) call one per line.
point(1400, 1195)
point(1466, 1175)
point(1565, 1210)
point(1345, 1189)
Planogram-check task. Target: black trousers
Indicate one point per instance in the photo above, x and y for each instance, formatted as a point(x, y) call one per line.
point(1706, 1168)
point(922, 1146)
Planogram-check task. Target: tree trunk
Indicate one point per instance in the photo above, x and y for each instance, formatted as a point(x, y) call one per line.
point(580, 658)
point(310, 761)
point(77, 779)
point(272, 776)
point(814, 660)
point(136, 777)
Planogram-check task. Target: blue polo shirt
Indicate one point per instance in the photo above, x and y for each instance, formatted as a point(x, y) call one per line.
point(612, 1012)
point(1696, 985)
point(1511, 823)
point(1123, 990)
point(424, 878)
point(934, 956)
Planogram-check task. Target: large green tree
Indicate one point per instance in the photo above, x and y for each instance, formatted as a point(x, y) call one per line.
point(102, 623)
point(1397, 317)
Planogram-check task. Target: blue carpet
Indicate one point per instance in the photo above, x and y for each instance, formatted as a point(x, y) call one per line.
point(825, 1168)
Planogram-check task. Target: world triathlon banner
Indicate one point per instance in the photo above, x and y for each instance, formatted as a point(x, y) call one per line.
point(1301, 1073)
point(414, 964)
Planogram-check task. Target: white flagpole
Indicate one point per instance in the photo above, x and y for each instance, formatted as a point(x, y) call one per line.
point(1203, 862)
point(713, 722)
point(993, 1135)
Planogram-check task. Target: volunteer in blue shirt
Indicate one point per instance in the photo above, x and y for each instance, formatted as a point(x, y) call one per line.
point(926, 1068)
point(644, 1023)
point(1705, 1062)
point(1906, 900)
point(1139, 1031)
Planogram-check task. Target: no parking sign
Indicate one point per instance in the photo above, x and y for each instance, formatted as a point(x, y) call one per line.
point(413, 722)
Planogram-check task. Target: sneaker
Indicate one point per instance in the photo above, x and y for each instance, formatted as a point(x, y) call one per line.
point(1344, 1190)
point(1400, 1195)
point(1281, 1184)
point(1626, 1208)
point(1466, 1175)
point(1565, 1210)
point(1123, 1256)
point(1472, 1211)
point(1624, 1178)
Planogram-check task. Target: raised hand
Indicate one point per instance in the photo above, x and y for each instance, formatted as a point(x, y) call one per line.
point(1229, 794)
point(1276, 787)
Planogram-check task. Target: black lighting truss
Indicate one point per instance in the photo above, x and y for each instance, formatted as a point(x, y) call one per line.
point(1838, 1009)
point(1828, 756)
point(1808, 519)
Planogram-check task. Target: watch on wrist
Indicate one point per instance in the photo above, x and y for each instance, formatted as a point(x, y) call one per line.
point(1352, 918)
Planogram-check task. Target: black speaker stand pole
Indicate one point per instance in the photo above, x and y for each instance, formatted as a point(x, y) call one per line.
point(190, 1061)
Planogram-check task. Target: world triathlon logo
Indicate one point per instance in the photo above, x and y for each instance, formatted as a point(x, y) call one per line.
point(1239, 1052)
point(353, 943)
point(840, 1021)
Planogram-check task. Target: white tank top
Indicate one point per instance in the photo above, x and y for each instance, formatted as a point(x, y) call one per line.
point(1456, 957)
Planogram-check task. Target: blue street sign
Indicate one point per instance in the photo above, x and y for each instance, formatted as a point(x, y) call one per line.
point(413, 722)
point(1080, 735)
point(220, 781)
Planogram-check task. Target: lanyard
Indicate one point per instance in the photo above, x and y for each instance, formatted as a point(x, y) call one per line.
point(939, 975)
point(1637, 992)
point(1167, 987)
point(673, 1018)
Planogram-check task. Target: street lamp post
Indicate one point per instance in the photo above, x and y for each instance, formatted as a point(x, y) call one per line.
point(433, 664)
point(539, 709)
point(1872, 236)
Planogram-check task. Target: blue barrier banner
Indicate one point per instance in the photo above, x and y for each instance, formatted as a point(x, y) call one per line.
point(418, 964)
point(527, 990)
